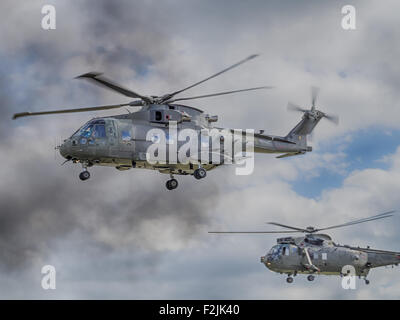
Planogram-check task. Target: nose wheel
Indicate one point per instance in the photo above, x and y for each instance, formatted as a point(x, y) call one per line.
point(172, 184)
point(310, 278)
point(84, 175)
point(289, 279)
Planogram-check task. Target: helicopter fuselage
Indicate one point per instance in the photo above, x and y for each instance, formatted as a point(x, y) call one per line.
point(123, 141)
point(324, 257)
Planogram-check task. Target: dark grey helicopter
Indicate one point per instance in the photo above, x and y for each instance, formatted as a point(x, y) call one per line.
point(123, 141)
point(316, 253)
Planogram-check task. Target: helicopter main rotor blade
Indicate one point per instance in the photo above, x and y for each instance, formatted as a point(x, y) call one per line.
point(169, 96)
point(97, 78)
point(289, 227)
point(250, 232)
point(375, 217)
point(107, 107)
point(218, 94)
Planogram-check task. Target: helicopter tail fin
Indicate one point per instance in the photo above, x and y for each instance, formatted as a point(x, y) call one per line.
point(299, 133)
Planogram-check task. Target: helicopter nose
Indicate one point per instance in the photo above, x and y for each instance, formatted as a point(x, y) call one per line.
point(64, 149)
point(267, 261)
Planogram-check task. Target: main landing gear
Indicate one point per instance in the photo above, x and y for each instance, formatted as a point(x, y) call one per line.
point(200, 173)
point(172, 184)
point(289, 278)
point(85, 174)
point(310, 277)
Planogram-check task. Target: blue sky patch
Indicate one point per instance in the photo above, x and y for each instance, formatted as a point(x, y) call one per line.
point(365, 149)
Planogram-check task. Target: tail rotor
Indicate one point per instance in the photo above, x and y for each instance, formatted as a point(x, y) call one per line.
point(313, 112)
point(314, 96)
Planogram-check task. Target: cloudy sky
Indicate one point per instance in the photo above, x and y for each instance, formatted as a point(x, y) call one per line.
point(122, 234)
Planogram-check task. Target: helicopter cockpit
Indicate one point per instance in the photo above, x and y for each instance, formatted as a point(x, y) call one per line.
point(94, 128)
point(91, 140)
point(280, 250)
point(91, 131)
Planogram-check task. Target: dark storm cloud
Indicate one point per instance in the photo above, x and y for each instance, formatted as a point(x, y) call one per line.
point(33, 218)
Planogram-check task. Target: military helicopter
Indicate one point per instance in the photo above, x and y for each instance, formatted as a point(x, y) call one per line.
point(122, 141)
point(316, 253)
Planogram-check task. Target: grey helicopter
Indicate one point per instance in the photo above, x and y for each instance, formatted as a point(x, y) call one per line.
point(316, 253)
point(122, 141)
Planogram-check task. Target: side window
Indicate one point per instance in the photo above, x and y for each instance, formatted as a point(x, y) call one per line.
point(158, 115)
point(126, 135)
point(99, 131)
point(285, 251)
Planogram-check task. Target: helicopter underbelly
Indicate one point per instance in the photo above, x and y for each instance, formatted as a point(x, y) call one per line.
point(126, 164)
point(327, 270)
point(326, 273)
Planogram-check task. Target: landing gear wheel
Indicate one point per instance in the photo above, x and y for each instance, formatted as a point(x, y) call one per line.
point(84, 175)
point(310, 278)
point(366, 282)
point(289, 279)
point(172, 184)
point(200, 173)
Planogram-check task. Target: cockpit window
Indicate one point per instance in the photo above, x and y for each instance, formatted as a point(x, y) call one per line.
point(280, 250)
point(86, 132)
point(95, 129)
point(274, 250)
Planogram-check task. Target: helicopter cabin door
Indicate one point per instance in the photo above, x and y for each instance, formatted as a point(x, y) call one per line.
point(112, 134)
point(126, 140)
